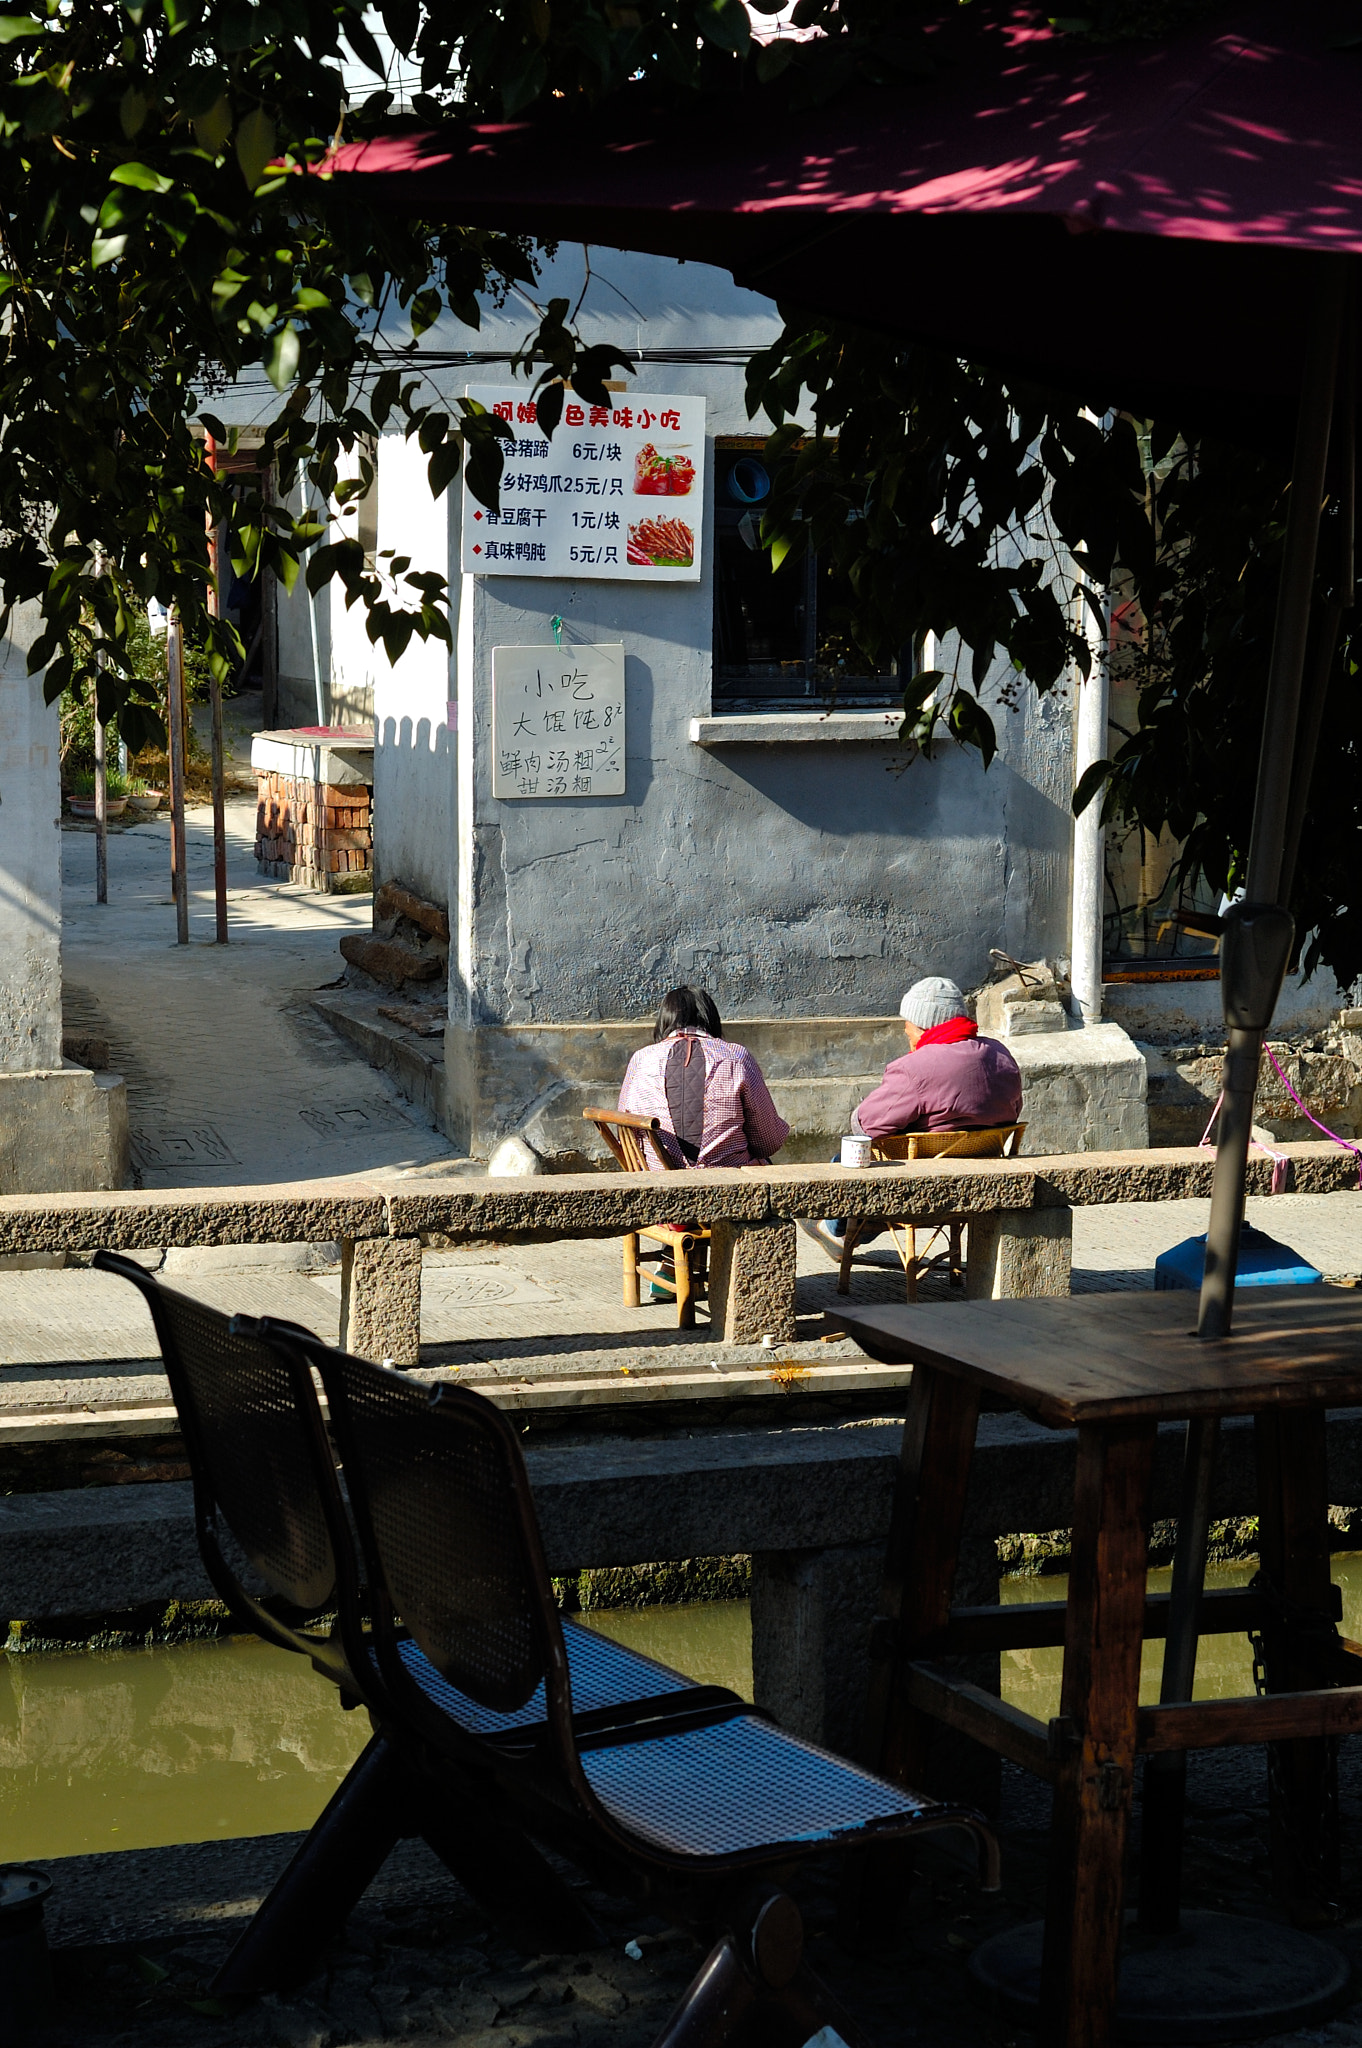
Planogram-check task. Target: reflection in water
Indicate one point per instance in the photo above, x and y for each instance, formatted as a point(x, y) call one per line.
point(710, 1640)
point(128, 1749)
point(1224, 1664)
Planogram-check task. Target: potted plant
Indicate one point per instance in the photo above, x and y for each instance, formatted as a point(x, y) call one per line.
point(143, 801)
point(81, 794)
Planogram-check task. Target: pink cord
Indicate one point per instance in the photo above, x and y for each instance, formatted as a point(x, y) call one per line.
point(1346, 1143)
point(1281, 1165)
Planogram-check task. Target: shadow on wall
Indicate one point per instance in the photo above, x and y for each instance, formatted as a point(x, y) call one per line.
point(951, 793)
point(296, 703)
point(638, 732)
point(414, 812)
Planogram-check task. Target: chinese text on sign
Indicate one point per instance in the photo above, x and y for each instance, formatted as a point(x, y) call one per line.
point(617, 492)
point(558, 721)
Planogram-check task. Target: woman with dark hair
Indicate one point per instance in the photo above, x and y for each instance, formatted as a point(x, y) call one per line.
point(708, 1093)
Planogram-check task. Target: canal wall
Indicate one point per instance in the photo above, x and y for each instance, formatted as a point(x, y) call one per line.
point(810, 1507)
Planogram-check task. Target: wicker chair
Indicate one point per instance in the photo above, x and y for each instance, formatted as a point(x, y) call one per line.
point(687, 1244)
point(996, 1141)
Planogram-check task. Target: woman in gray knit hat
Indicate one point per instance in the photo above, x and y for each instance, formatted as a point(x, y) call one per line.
point(950, 1079)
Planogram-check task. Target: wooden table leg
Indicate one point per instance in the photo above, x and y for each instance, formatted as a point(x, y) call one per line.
point(1104, 1632)
point(919, 1577)
point(920, 1560)
point(1299, 1649)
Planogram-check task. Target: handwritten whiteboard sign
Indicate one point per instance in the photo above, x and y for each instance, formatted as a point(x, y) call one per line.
point(618, 492)
point(558, 721)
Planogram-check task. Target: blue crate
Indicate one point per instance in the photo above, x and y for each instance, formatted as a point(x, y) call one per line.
point(1262, 1263)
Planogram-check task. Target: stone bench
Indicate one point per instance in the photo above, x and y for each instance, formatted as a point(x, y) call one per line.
point(1019, 1211)
point(810, 1506)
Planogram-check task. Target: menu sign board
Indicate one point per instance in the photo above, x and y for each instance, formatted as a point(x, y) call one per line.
point(558, 721)
point(618, 491)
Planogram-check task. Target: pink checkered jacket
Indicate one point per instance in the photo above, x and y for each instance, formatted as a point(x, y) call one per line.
point(741, 1124)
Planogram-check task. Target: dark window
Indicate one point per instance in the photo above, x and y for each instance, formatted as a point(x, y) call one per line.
point(781, 638)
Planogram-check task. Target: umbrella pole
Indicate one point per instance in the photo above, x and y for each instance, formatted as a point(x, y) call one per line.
point(1271, 804)
point(1283, 784)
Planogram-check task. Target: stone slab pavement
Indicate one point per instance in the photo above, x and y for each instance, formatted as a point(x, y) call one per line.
point(231, 1077)
point(420, 1962)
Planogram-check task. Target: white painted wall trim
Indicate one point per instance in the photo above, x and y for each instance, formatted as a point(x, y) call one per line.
point(783, 728)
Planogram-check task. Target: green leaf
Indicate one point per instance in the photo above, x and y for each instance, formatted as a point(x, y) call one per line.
point(725, 24)
point(106, 249)
point(15, 26)
point(148, 1971)
point(141, 177)
point(132, 112)
point(425, 310)
point(549, 402)
point(281, 355)
point(255, 144)
point(972, 725)
point(401, 18)
point(443, 466)
point(1089, 784)
point(361, 41)
point(214, 125)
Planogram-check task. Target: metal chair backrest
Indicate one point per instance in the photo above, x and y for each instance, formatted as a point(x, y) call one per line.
point(251, 1425)
point(442, 1503)
point(623, 1133)
point(992, 1141)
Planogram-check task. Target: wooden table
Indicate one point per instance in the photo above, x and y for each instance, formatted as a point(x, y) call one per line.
point(1114, 1367)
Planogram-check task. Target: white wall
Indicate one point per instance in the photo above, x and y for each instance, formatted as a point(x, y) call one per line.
point(30, 860)
point(414, 768)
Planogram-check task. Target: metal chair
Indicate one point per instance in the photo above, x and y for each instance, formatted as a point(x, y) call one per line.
point(994, 1141)
point(625, 1134)
point(686, 1791)
point(276, 1541)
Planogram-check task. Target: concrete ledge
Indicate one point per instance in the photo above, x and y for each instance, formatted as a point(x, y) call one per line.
point(417, 1066)
point(312, 1212)
point(796, 728)
point(468, 1206)
point(63, 1127)
point(1083, 1090)
point(106, 1549)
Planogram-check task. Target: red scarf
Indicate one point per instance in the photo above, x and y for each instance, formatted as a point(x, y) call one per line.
point(949, 1033)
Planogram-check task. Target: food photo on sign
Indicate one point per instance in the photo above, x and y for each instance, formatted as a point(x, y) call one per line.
point(583, 502)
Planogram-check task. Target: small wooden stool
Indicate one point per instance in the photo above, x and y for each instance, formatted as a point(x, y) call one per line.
point(1114, 1367)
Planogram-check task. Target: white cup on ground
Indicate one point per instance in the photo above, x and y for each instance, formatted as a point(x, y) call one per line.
point(856, 1151)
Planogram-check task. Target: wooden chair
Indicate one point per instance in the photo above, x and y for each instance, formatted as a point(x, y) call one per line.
point(687, 1243)
point(996, 1141)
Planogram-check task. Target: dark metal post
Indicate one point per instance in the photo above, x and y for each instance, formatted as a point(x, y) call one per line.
point(179, 880)
point(1271, 804)
point(1165, 1774)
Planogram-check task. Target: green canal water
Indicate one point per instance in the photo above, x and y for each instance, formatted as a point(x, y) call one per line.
point(130, 1749)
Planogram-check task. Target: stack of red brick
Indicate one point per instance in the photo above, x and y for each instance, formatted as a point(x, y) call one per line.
point(318, 833)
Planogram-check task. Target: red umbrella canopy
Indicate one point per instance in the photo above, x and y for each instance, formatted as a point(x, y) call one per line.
point(1076, 215)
